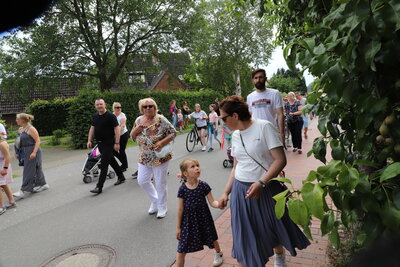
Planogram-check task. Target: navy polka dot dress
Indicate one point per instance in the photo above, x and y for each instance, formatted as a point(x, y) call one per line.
point(197, 228)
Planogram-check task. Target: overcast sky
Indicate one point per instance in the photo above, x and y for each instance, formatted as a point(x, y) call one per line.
point(277, 61)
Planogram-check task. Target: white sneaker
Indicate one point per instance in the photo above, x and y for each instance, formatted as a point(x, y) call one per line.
point(19, 194)
point(161, 213)
point(280, 260)
point(204, 148)
point(153, 208)
point(41, 188)
point(218, 258)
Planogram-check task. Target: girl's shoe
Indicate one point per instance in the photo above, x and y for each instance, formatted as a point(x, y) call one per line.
point(280, 260)
point(218, 258)
point(11, 205)
point(2, 210)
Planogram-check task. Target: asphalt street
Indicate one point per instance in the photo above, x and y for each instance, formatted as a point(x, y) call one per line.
point(68, 215)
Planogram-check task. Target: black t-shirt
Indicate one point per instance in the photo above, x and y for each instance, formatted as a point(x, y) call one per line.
point(104, 126)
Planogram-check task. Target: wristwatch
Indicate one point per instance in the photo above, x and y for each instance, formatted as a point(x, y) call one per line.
point(264, 184)
point(5, 167)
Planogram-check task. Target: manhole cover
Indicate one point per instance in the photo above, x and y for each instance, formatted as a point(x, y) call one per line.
point(83, 256)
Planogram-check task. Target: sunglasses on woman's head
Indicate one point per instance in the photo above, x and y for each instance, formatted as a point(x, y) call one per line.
point(148, 106)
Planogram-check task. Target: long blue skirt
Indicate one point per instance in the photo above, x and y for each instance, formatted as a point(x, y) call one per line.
point(255, 228)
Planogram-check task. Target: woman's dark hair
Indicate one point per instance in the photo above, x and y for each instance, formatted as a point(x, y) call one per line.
point(235, 104)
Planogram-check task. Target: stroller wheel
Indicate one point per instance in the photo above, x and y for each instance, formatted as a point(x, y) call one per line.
point(87, 179)
point(225, 163)
point(111, 175)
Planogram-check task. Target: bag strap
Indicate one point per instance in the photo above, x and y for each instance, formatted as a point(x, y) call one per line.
point(241, 139)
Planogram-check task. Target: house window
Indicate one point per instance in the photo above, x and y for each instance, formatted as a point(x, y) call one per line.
point(137, 77)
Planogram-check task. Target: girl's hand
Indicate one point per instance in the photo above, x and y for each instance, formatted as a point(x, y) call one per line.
point(32, 156)
point(3, 172)
point(254, 190)
point(178, 234)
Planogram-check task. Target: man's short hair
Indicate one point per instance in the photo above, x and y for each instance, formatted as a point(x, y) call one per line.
point(257, 71)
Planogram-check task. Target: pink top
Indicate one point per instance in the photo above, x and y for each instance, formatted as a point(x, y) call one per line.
point(213, 117)
point(6, 179)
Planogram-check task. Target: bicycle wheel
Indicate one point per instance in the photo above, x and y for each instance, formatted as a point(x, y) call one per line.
point(190, 141)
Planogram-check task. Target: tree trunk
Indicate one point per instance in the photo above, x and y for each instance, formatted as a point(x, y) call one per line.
point(238, 89)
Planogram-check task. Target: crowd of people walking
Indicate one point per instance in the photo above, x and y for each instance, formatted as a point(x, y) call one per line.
point(254, 131)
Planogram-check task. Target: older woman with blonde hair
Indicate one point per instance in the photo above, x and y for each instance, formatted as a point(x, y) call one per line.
point(154, 134)
point(29, 142)
point(121, 117)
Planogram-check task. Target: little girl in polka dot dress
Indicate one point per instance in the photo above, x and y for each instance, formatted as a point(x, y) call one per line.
point(195, 226)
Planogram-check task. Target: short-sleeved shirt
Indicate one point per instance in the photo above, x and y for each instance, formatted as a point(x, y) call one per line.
point(3, 132)
point(213, 117)
point(259, 139)
point(198, 115)
point(104, 126)
point(263, 105)
point(150, 136)
point(122, 116)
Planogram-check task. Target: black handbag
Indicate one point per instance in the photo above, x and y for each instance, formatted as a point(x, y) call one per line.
point(282, 185)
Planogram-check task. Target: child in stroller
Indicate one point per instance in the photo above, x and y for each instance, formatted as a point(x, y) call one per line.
point(92, 166)
point(228, 162)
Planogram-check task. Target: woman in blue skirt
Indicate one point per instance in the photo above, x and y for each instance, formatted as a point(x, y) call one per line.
point(257, 233)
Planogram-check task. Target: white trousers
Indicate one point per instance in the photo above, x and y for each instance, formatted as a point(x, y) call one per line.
point(158, 192)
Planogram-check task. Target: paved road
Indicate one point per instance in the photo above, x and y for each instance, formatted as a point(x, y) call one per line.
point(68, 215)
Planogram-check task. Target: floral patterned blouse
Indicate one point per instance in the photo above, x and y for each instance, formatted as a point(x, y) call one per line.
point(150, 135)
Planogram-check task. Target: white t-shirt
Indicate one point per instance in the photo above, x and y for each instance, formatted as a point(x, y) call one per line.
point(263, 105)
point(122, 116)
point(259, 139)
point(198, 115)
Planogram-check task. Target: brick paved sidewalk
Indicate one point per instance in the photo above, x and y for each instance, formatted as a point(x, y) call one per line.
point(297, 169)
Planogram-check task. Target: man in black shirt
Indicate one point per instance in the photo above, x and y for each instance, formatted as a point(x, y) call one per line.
point(105, 129)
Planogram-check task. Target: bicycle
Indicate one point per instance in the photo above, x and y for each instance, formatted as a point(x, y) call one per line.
point(193, 138)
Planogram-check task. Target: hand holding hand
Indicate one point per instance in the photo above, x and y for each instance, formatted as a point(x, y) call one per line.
point(3, 172)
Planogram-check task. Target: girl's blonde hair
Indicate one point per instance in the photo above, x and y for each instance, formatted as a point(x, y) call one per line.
point(291, 94)
point(185, 164)
point(144, 100)
point(25, 117)
point(114, 104)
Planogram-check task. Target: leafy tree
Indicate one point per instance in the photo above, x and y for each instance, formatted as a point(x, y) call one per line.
point(287, 81)
point(224, 41)
point(93, 38)
point(352, 47)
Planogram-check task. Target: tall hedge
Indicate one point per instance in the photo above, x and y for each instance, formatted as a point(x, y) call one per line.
point(50, 115)
point(82, 108)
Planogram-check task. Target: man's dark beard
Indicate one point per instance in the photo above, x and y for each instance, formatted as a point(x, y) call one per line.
point(260, 85)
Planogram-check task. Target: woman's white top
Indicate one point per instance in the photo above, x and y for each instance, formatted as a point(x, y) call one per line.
point(198, 116)
point(122, 116)
point(259, 139)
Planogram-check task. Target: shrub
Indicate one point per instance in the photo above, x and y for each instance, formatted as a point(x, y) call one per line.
point(50, 115)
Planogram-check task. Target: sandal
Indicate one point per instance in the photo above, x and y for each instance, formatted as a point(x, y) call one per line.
point(2, 210)
point(11, 205)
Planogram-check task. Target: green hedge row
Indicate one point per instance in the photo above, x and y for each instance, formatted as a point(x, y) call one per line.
point(50, 115)
point(76, 113)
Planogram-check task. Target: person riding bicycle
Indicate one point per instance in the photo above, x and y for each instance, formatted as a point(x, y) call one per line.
point(200, 117)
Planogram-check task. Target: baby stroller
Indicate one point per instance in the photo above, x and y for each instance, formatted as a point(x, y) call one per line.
point(228, 162)
point(91, 167)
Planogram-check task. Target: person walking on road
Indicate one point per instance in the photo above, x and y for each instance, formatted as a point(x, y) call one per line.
point(106, 130)
point(266, 103)
point(200, 117)
point(213, 126)
point(121, 154)
point(5, 174)
point(294, 121)
point(195, 224)
point(154, 134)
point(258, 157)
point(28, 141)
